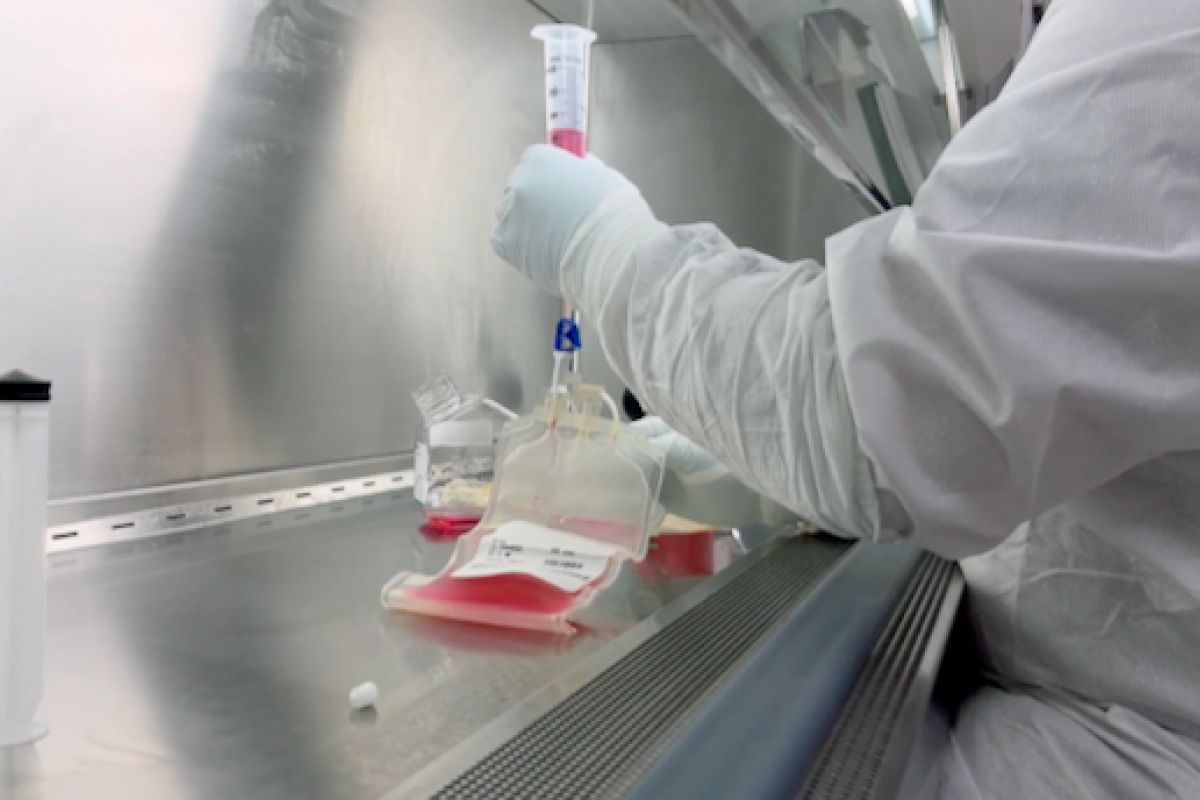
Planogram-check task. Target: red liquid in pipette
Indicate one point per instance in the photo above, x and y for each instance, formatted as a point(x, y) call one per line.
point(572, 141)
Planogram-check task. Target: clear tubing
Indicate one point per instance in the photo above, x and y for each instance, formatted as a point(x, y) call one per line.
point(556, 377)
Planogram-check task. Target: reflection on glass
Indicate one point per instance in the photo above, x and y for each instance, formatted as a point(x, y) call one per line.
point(848, 80)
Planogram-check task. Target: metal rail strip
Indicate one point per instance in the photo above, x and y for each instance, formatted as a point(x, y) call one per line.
point(158, 520)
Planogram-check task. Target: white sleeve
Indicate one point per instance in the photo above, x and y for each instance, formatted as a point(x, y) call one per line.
point(733, 349)
point(1027, 331)
point(1030, 329)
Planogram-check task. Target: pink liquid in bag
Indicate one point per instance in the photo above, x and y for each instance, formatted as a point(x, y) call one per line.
point(522, 593)
point(680, 555)
point(511, 599)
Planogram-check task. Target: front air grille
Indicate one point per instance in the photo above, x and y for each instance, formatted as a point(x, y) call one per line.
point(601, 738)
point(851, 761)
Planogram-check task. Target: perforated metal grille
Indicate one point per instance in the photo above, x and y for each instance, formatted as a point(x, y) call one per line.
point(851, 759)
point(598, 740)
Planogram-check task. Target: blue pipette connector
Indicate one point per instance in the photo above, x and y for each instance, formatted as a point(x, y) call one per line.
point(566, 342)
point(566, 336)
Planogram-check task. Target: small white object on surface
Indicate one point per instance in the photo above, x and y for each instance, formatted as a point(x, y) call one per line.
point(364, 695)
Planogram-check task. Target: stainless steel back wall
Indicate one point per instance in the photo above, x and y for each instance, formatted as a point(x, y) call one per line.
point(237, 234)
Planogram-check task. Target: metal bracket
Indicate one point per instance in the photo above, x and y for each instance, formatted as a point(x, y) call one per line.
point(146, 523)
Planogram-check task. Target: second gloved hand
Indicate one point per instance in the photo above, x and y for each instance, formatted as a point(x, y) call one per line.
point(548, 196)
point(698, 487)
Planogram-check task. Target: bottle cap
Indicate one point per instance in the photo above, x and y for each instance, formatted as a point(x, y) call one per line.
point(18, 387)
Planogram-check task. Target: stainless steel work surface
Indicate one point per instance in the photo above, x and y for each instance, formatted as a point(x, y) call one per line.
point(216, 663)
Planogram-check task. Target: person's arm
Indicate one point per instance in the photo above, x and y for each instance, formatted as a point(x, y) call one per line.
point(1029, 330)
point(733, 349)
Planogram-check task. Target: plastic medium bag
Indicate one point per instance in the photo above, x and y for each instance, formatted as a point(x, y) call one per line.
point(575, 495)
point(454, 454)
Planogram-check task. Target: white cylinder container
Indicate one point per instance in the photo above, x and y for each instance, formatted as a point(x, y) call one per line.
point(567, 55)
point(24, 447)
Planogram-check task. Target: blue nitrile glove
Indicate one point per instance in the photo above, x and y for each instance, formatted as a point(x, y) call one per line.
point(548, 195)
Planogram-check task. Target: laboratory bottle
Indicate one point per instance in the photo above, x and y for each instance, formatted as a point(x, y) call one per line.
point(24, 447)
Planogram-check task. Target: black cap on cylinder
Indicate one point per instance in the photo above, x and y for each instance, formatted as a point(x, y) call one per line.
point(17, 387)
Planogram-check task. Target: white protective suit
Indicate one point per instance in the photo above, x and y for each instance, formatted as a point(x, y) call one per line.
point(1019, 350)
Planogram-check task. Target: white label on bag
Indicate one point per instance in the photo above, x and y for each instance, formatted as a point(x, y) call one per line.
point(562, 559)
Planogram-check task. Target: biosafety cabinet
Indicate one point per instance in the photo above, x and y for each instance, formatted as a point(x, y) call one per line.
point(238, 234)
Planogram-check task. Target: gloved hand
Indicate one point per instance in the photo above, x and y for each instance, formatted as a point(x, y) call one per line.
point(698, 487)
point(548, 195)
